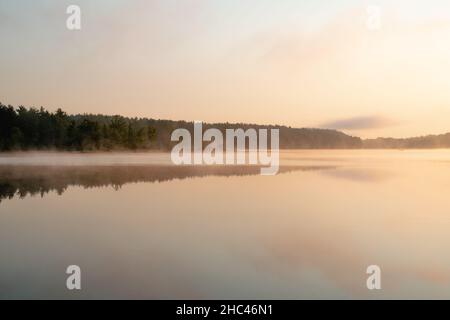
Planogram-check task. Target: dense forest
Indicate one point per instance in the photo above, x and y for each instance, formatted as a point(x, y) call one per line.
point(30, 128)
point(24, 128)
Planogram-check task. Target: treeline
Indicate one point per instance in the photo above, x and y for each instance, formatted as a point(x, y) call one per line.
point(424, 142)
point(30, 128)
point(24, 128)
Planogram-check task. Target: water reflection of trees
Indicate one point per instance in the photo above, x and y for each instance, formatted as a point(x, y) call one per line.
point(23, 181)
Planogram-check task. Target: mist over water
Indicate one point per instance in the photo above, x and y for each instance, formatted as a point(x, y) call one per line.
point(84, 159)
point(140, 227)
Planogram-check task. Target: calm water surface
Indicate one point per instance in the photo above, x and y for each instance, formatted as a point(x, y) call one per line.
point(140, 228)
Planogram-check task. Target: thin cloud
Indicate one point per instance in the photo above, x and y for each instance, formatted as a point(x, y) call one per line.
point(359, 123)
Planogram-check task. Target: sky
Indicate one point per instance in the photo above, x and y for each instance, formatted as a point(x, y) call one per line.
point(299, 63)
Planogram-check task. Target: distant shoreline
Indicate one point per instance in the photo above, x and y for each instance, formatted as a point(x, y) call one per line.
point(153, 151)
point(31, 129)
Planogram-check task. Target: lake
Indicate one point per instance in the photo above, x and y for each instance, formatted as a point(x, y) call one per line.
point(139, 227)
